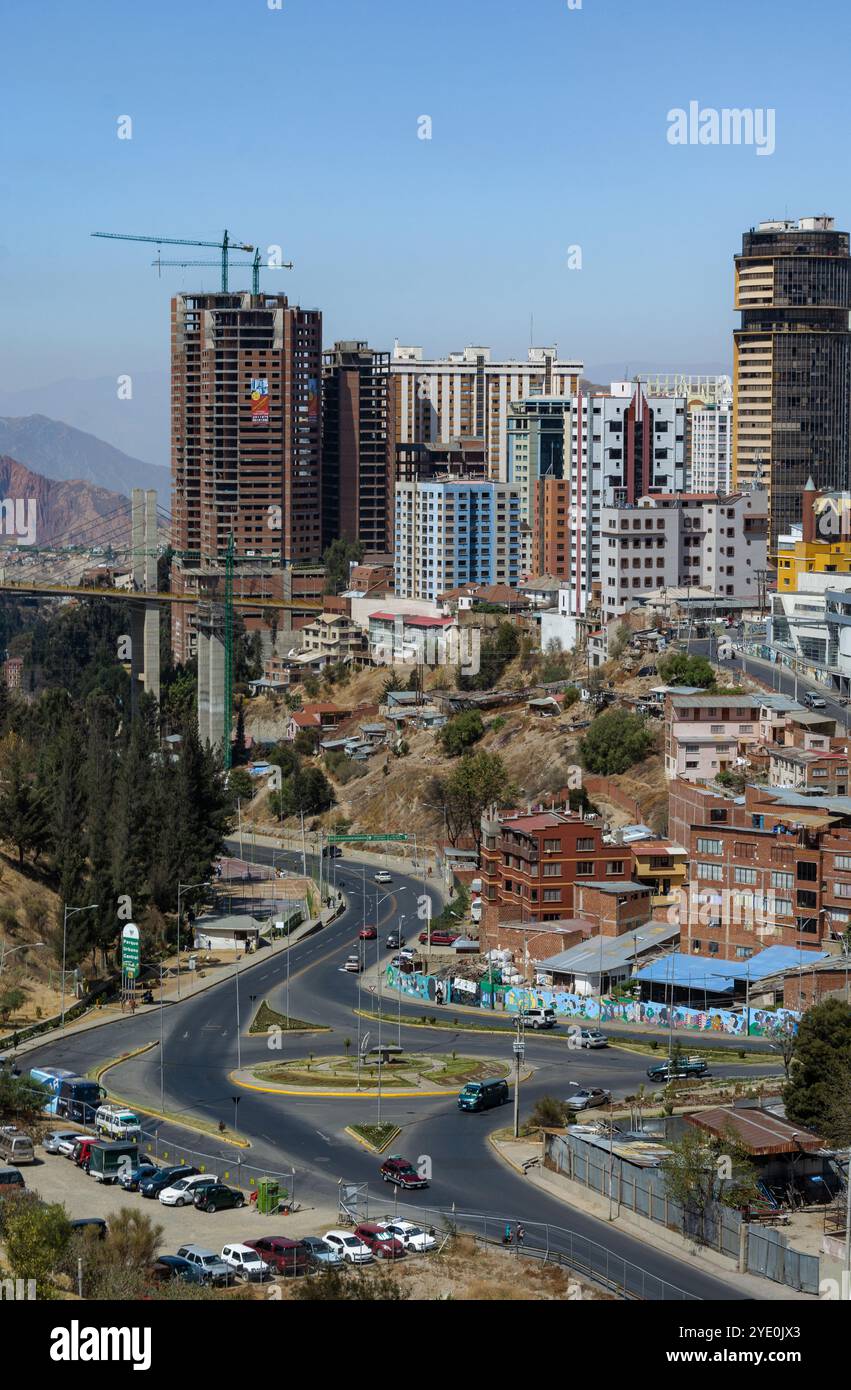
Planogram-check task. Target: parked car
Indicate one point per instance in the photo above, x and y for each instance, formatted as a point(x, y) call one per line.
point(350, 1247)
point(540, 1018)
point(169, 1267)
point(51, 1141)
point(592, 1037)
point(246, 1263)
point(16, 1147)
point(153, 1186)
point(367, 933)
point(412, 1236)
point(11, 1177)
point(131, 1179)
point(95, 1224)
point(400, 1171)
point(394, 940)
point(353, 965)
point(283, 1255)
point(383, 877)
point(217, 1196)
point(382, 1245)
point(483, 1095)
point(813, 701)
point(181, 1193)
point(588, 1098)
point(321, 1253)
point(81, 1154)
point(439, 937)
point(210, 1266)
point(646, 670)
point(677, 1070)
point(67, 1145)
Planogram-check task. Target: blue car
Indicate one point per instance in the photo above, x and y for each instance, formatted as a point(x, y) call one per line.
point(169, 1267)
point(164, 1177)
point(320, 1252)
point(132, 1180)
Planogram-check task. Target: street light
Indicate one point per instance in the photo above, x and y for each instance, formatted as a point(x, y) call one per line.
point(236, 1100)
point(183, 888)
point(398, 980)
point(27, 946)
point(69, 912)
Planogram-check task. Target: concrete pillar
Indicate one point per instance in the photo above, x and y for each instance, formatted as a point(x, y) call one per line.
point(203, 653)
point(145, 617)
point(211, 676)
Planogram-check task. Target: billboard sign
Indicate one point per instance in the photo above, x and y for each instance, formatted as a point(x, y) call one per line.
point(130, 951)
point(260, 400)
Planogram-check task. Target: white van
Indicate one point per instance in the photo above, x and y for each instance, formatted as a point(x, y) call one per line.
point(116, 1122)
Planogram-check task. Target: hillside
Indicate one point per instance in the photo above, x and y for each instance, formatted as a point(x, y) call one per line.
point(28, 914)
point(66, 511)
point(62, 453)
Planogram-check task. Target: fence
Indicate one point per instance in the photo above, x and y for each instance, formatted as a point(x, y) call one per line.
point(770, 1255)
point(227, 1165)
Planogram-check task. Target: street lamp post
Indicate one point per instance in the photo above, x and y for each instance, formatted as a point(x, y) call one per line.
point(69, 912)
point(236, 1100)
point(399, 982)
point(182, 888)
point(27, 946)
point(238, 1032)
point(519, 1051)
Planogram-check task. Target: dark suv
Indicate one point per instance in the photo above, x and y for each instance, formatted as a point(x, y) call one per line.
point(157, 1182)
point(399, 1171)
point(679, 1070)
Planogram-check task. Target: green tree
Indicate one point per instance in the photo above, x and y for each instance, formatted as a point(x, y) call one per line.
point(678, 668)
point(478, 780)
point(618, 643)
point(822, 1053)
point(337, 558)
point(24, 820)
point(615, 741)
point(12, 999)
point(460, 733)
point(241, 785)
point(36, 1240)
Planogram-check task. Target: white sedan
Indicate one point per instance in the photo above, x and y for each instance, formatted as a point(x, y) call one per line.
point(383, 877)
point(412, 1236)
point(349, 1247)
point(68, 1144)
point(182, 1194)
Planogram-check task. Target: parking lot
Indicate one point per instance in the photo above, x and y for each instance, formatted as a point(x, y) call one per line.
point(56, 1179)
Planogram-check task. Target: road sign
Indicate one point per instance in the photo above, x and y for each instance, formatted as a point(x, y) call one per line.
point(130, 951)
point(361, 839)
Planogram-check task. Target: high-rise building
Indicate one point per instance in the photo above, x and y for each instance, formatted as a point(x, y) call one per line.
point(245, 408)
point(792, 362)
point(550, 528)
point(710, 447)
point(467, 396)
point(358, 447)
point(451, 531)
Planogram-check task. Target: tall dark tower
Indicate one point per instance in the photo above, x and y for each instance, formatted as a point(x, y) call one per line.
point(792, 363)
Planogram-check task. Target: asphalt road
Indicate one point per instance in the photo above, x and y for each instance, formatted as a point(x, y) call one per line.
point(778, 678)
point(200, 1051)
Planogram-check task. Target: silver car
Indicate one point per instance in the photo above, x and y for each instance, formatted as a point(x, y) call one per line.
point(588, 1098)
point(592, 1037)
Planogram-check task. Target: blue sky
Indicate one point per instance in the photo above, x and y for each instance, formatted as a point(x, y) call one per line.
point(298, 126)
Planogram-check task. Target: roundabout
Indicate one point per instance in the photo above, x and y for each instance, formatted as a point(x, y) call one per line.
point(407, 1075)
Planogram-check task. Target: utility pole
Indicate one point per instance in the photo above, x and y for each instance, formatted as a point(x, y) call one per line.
point(519, 1052)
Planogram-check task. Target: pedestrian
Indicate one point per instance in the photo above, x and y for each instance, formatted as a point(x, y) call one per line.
point(506, 1239)
point(520, 1234)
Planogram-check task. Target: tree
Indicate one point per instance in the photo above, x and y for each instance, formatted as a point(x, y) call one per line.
point(241, 784)
point(690, 1174)
point(678, 668)
point(479, 780)
point(23, 809)
point(496, 652)
point(36, 1240)
point(548, 1113)
point(822, 1053)
point(337, 559)
point(461, 733)
point(21, 1098)
point(11, 1000)
point(618, 643)
point(239, 749)
point(615, 741)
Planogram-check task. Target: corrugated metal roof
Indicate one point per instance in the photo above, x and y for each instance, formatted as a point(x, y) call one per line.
point(758, 1131)
point(584, 958)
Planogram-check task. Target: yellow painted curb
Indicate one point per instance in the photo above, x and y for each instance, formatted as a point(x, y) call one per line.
point(359, 1139)
point(338, 1095)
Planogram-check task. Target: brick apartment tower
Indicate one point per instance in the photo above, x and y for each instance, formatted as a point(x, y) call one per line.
point(245, 428)
point(358, 447)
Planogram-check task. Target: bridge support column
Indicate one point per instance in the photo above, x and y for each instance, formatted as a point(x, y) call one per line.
point(211, 674)
point(145, 617)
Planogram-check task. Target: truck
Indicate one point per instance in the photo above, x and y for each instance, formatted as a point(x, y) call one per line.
point(108, 1159)
point(117, 1122)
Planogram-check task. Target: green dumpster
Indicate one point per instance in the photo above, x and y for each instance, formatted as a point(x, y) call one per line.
point(268, 1195)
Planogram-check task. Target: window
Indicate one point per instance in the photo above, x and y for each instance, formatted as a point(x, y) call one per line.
point(743, 849)
point(745, 876)
point(713, 871)
point(552, 846)
point(552, 870)
point(552, 895)
point(708, 846)
point(807, 871)
point(585, 866)
point(806, 898)
point(783, 907)
point(780, 880)
point(842, 861)
point(615, 866)
point(585, 842)
point(842, 890)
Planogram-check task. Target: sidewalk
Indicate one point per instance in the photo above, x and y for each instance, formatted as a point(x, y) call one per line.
point(577, 1195)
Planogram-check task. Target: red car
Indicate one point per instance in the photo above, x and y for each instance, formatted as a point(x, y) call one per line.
point(284, 1255)
point(401, 1172)
point(367, 933)
point(383, 1246)
point(439, 938)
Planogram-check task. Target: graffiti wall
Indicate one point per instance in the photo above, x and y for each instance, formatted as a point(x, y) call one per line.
point(763, 1023)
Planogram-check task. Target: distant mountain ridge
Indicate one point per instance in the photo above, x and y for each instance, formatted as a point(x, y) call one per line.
point(65, 513)
point(64, 454)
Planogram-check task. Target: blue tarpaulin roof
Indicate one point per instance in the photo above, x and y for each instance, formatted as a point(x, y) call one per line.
point(716, 975)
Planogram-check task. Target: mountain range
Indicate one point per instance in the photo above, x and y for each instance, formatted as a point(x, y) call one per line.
point(68, 513)
point(62, 453)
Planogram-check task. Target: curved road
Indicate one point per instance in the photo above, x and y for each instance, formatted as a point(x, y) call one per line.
point(200, 1052)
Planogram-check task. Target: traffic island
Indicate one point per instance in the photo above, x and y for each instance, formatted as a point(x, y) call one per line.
point(268, 1020)
point(402, 1074)
point(374, 1137)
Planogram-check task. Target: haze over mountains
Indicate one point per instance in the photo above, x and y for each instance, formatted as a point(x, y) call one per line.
point(61, 452)
point(67, 513)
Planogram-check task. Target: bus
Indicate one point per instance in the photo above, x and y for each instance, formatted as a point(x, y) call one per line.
point(78, 1099)
point(51, 1078)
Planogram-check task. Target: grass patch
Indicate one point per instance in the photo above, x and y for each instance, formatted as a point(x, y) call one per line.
point(375, 1137)
point(410, 1071)
point(733, 1055)
point(266, 1019)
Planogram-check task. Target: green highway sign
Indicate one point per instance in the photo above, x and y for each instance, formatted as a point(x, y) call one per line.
point(361, 839)
point(130, 951)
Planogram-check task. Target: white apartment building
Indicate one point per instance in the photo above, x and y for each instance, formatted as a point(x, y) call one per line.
point(451, 531)
point(467, 395)
point(692, 540)
point(711, 448)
